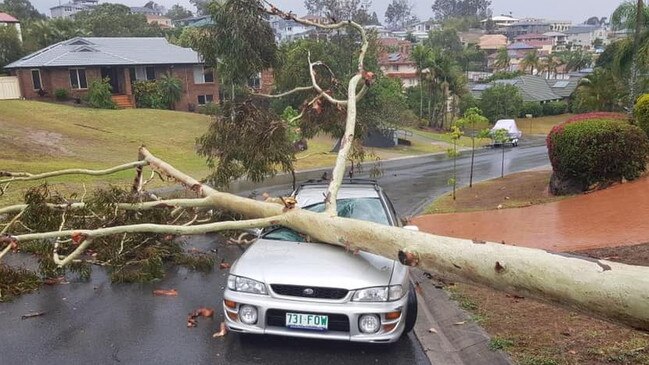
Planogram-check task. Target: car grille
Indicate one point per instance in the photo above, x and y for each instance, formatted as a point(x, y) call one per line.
point(337, 322)
point(319, 293)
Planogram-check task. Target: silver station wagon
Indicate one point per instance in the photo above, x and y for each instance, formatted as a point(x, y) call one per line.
point(285, 286)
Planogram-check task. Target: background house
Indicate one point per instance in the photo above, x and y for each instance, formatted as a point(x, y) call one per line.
point(73, 65)
point(7, 20)
point(583, 36)
point(395, 61)
point(161, 21)
point(67, 10)
point(491, 43)
point(535, 88)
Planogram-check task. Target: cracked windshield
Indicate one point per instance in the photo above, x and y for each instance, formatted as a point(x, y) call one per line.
point(326, 181)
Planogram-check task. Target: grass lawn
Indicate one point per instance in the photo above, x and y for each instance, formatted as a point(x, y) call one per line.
point(39, 136)
point(535, 333)
point(541, 125)
point(513, 191)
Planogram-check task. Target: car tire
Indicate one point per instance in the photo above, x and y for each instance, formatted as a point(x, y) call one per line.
point(411, 311)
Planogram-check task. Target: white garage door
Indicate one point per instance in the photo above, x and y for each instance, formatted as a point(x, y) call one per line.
point(9, 88)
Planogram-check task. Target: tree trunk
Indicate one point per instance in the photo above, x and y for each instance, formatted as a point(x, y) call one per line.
point(600, 288)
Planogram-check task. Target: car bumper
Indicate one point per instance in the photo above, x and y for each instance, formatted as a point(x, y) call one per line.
point(268, 323)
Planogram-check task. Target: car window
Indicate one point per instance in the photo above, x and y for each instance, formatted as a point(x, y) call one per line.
point(367, 209)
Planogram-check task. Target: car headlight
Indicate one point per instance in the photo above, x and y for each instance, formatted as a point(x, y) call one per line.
point(378, 294)
point(245, 285)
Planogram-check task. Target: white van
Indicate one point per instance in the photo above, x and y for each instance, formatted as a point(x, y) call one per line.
point(512, 129)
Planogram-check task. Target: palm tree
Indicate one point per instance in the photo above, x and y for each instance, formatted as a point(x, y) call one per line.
point(600, 91)
point(632, 54)
point(502, 60)
point(422, 56)
point(531, 61)
point(625, 15)
point(551, 64)
point(576, 60)
point(171, 90)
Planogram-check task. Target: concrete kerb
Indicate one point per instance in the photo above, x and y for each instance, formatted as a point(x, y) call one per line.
point(447, 333)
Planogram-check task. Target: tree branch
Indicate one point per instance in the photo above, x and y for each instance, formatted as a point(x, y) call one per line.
point(287, 93)
point(84, 236)
point(317, 87)
point(345, 147)
point(25, 176)
point(171, 203)
point(10, 244)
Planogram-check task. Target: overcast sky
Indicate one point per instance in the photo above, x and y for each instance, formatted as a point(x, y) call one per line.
point(575, 10)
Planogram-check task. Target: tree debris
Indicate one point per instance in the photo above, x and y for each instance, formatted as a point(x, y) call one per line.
point(166, 292)
point(222, 331)
point(32, 315)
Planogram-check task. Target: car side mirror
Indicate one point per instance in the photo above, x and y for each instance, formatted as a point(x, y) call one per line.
point(253, 231)
point(411, 228)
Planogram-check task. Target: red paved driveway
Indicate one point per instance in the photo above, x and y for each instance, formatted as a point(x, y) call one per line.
point(613, 217)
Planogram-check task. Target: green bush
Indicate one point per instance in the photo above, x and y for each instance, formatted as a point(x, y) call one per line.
point(501, 101)
point(170, 90)
point(100, 95)
point(160, 94)
point(529, 107)
point(555, 108)
point(597, 151)
point(146, 95)
point(61, 94)
point(641, 113)
point(209, 109)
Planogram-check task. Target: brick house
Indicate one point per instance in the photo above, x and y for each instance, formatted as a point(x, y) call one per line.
point(395, 61)
point(73, 64)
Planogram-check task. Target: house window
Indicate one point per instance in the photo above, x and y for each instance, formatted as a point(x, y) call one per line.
point(395, 68)
point(141, 73)
point(36, 79)
point(78, 78)
point(204, 99)
point(150, 73)
point(203, 75)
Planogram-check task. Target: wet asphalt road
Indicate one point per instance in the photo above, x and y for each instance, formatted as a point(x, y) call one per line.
point(99, 323)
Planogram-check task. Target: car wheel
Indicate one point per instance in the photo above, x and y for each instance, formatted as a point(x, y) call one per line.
point(411, 312)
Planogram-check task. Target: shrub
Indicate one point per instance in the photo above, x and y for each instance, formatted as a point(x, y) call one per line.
point(146, 95)
point(500, 102)
point(170, 90)
point(535, 109)
point(61, 94)
point(597, 151)
point(160, 94)
point(209, 109)
point(641, 113)
point(555, 108)
point(100, 95)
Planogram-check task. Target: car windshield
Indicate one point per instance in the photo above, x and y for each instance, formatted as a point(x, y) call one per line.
point(367, 209)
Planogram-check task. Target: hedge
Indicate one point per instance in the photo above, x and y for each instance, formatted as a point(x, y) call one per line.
point(555, 108)
point(597, 151)
point(641, 113)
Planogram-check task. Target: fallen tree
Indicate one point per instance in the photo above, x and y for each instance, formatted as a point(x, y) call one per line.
point(613, 291)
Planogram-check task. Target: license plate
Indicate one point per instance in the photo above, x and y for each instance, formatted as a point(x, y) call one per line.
point(315, 322)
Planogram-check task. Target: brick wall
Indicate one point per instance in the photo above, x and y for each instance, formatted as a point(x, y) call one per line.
point(59, 78)
point(53, 79)
point(189, 100)
point(267, 81)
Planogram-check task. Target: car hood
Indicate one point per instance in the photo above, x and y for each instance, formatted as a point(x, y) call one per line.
point(312, 264)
